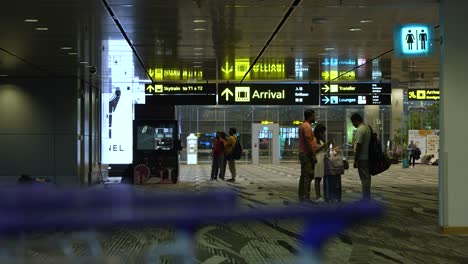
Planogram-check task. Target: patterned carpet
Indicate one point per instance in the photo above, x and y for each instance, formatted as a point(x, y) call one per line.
point(407, 233)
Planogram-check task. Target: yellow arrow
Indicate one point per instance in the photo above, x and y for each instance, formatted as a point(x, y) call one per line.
point(150, 88)
point(228, 93)
point(227, 70)
point(326, 88)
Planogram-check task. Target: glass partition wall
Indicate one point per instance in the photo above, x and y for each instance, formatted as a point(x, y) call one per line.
point(204, 121)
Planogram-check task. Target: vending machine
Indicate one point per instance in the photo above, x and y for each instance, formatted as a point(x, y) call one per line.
point(155, 151)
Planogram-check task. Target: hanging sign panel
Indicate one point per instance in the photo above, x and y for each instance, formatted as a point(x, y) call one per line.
point(384, 99)
point(180, 89)
point(413, 40)
point(268, 94)
point(423, 95)
point(356, 88)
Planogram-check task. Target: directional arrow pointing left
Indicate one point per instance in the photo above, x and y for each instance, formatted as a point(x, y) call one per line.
point(326, 100)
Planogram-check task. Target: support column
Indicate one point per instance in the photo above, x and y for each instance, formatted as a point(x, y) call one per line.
point(453, 180)
point(372, 116)
point(397, 111)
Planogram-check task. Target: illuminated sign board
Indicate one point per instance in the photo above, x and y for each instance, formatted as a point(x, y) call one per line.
point(413, 40)
point(236, 69)
point(423, 95)
point(384, 99)
point(175, 74)
point(180, 89)
point(268, 94)
point(333, 74)
point(356, 88)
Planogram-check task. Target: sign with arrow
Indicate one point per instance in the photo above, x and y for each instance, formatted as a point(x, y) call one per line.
point(423, 95)
point(268, 94)
point(356, 88)
point(180, 88)
point(384, 99)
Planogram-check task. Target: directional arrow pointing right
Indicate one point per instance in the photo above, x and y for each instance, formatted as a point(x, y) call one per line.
point(326, 100)
point(326, 88)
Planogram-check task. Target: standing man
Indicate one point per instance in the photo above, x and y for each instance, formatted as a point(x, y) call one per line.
point(307, 148)
point(361, 153)
point(228, 148)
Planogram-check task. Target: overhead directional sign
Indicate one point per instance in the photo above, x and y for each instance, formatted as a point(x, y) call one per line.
point(413, 40)
point(423, 95)
point(356, 99)
point(180, 89)
point(355, 94)
point(268, 94)
point(356, 88)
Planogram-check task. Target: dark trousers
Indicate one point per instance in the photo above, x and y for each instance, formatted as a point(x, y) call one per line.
point(307, 175)
point(364, 175)
point(412, 160)
point(217, 167)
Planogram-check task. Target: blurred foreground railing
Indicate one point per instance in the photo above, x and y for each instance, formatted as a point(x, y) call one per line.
point(43, 208)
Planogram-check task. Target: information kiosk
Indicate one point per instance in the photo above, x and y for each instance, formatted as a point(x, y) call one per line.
point(155, 151)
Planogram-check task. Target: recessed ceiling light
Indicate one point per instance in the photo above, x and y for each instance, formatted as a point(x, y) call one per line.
point(72, 53)
point(199, 29)
point(198, 54)
point(366, 21)
point(329, 48)
point(355, 29)
point(197, 62)
point(198, 48)
point(42, 28)
point(199, 21)
point(31, 20)
point(66, 48)
point(3, 75)
point(197, 66)
point(83, 62)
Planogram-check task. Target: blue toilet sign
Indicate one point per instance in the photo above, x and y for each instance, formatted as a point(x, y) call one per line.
point(413, 40)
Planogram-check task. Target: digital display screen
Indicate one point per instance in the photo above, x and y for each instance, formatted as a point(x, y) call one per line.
point(155, 138)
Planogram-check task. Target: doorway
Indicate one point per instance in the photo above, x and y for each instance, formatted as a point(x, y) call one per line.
point(265, 144)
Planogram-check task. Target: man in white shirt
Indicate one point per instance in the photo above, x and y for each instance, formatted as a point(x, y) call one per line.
point(361, 156)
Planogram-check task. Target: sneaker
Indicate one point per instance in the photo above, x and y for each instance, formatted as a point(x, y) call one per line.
point(231, 180)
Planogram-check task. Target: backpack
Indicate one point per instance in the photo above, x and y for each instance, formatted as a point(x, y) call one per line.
point(416, 153)
point(378, 160)
point(237, 150)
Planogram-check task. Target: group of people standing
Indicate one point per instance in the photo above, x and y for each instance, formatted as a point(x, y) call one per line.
point(221, 151)
point(312, 149)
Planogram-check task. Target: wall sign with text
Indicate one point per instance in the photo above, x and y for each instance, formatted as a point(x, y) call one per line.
point(268, 94)
point(355, 94)
point(423, 95)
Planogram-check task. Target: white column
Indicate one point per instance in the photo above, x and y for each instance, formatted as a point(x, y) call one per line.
point(453, 175)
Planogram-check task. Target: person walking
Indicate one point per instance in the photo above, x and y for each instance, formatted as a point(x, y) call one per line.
point(307, 149)
point(218, 157)
point(361, 153)
point(228, 148)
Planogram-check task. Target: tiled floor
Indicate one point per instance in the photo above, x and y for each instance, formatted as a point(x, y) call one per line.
point(407, 233)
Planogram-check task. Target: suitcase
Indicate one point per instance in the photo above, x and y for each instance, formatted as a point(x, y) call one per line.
point(332, 188)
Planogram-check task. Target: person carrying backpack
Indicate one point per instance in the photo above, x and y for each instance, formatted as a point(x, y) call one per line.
point(231, 157)
point(361, 153)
